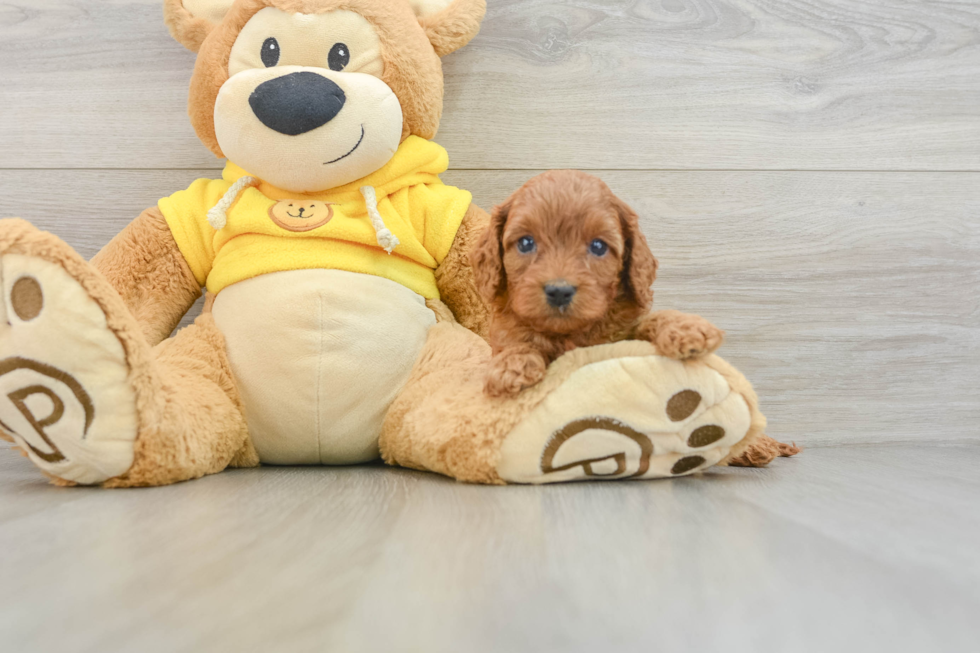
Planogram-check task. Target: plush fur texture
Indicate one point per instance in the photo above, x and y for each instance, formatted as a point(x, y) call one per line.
point(188, 30)
point(189, 413)
point(148, 271)
point(741, 385)
point(762, 452)
point(455, 276)
point(454, 26)
point(444, 422)
point(564, 212)
point(190, 417)
point(679, 335)
point(413, 69)
point(448, 29)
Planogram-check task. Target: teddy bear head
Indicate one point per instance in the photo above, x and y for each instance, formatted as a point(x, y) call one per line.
point(309, 95)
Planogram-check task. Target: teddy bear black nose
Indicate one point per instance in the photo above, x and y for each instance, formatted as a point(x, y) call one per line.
point(297, 103)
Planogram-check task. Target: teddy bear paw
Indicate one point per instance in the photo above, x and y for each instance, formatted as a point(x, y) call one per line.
point(65, 396)
point(629, 417)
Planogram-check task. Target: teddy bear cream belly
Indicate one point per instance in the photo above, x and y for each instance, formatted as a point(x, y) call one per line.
point(318, 356)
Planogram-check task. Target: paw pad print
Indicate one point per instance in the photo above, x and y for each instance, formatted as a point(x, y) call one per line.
point(65, 397)
point(645, 417)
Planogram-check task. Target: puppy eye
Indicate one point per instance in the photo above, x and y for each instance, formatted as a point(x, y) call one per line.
point(598, 247)
point(526, 245)
point(270, 52)
point(339, 57)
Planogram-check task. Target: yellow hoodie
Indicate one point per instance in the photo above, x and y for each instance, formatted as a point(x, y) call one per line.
point(268, 229)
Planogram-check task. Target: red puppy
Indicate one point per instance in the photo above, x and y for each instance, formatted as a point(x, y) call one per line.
point(563, 265)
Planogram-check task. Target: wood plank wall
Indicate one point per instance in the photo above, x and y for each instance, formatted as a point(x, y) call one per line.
point(808, 171)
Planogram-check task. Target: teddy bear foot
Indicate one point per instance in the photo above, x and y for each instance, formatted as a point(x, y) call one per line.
point(65, 394)
point(631, 417)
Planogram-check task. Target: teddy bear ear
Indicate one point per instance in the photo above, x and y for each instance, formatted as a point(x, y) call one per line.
point(190, 21)
point(449, 24)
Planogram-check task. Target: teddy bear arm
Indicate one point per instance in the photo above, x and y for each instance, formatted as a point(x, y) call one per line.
point(455, 279)
point(145, 266)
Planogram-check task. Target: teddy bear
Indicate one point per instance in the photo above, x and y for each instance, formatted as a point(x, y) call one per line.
point(341, 321)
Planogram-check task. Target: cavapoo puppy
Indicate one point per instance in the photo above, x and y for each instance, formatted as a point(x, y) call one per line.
point(563, 265)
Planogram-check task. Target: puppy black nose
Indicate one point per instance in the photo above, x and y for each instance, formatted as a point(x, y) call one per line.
point(559, 294)
point(297, 103)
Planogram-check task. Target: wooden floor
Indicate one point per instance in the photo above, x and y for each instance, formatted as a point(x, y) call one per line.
point(808, 174)
point(851, 548)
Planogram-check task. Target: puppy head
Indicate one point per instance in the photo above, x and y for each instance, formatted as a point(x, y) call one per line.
point(561, 251)
point(309, 95)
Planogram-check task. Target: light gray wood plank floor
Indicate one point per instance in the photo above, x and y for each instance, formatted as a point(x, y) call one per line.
point(851, 548)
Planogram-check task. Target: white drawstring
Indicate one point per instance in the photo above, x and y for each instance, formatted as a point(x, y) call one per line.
point(218, 215)
point(386, 239)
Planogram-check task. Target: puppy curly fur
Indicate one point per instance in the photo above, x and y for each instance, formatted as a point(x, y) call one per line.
point(565, 212)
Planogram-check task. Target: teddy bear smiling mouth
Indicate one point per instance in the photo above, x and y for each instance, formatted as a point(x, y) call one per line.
point(359, 141)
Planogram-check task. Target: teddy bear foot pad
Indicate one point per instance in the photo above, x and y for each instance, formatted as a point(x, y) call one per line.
point(634, 417)
point(65, 396)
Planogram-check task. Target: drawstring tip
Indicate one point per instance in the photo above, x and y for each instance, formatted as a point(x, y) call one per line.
point(218, 215)
point(217, 218)
point(388, 240)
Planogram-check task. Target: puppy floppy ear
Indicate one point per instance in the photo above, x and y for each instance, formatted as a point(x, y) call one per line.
point(639, 265)
point(190, 21)
point(449, 24)
point(488, 256)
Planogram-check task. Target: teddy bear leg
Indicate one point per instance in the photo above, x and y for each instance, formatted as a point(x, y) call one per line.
point(192, 421)
point(609, 412)
point(84, 395)
point(427, 427)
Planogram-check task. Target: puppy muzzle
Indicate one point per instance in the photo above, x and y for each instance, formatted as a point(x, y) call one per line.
point(559, 294)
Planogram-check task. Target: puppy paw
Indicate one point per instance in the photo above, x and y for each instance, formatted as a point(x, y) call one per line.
point(682, 336)
point(511, 372)
point(762, 452)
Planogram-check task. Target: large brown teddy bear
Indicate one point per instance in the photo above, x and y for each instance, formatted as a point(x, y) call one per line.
point(342, 320)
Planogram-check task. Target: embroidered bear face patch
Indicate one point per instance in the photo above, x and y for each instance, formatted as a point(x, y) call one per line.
point(300, 215)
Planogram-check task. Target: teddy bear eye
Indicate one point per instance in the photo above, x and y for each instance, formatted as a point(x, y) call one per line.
point(339, 57)
point(526, 245)
point(598, 247)
point(270, 52)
